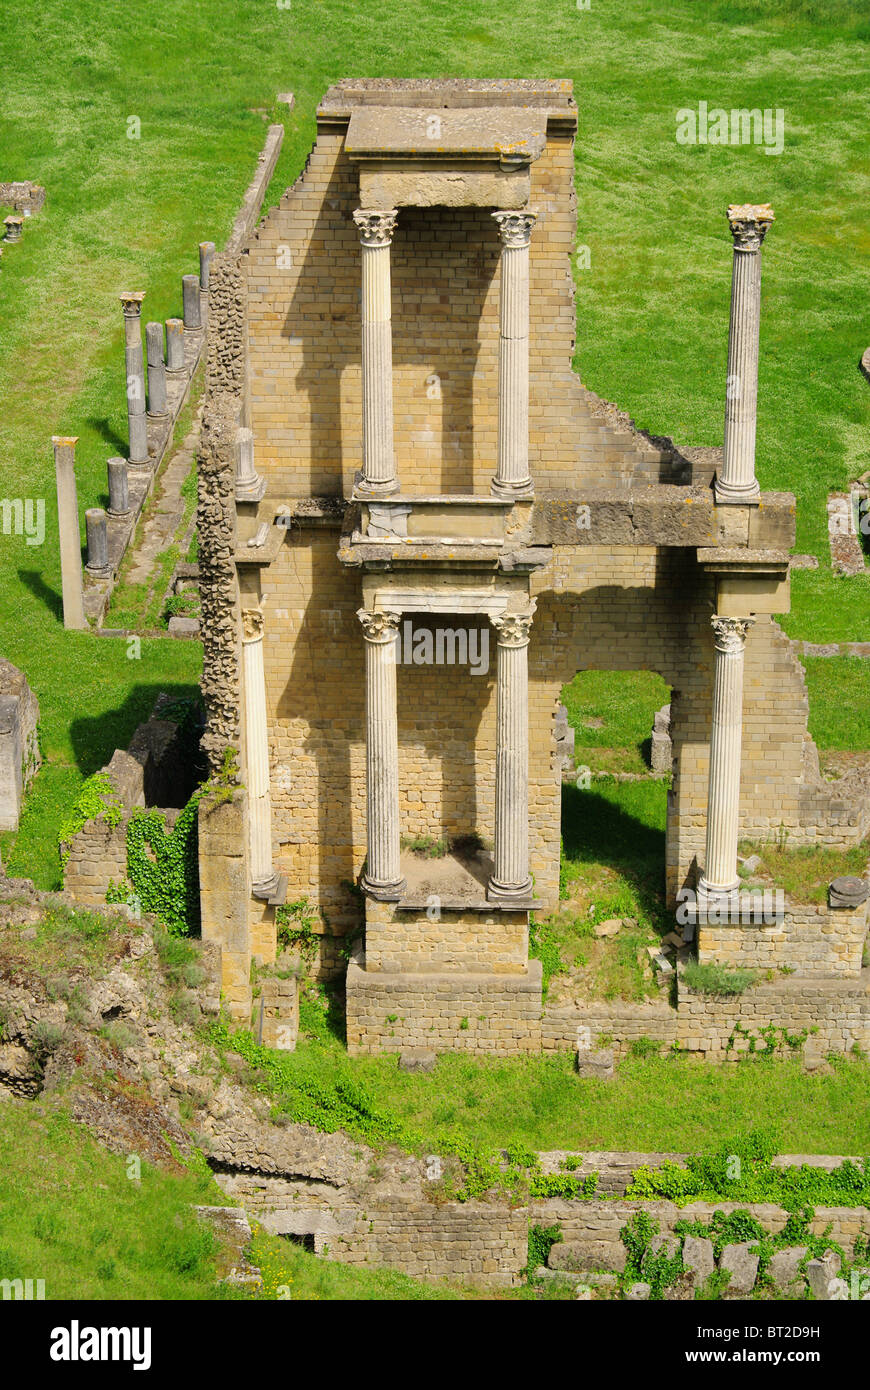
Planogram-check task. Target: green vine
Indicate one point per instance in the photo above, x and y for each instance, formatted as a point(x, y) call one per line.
point(162, 865)
point(96, 798)
point(771, 1036)
point(301, 937)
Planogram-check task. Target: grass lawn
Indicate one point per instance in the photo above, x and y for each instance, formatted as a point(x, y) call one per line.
point(127, 213)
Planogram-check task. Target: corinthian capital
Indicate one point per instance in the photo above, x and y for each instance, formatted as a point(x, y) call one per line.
point(514, 629)
point(730, 633)
point(380, 626)
point(515, 228)
point(749, 223)
point(252, 625)
point(131, 301)
point(376, 228)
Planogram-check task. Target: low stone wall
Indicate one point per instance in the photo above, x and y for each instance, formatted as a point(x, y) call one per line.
point(279, 1016)
point(813, 939)
point(623, 1023)
point(835, 1014)
point(496, 1014)
point(475, 1243)
point(475, 942)
point(19, 746)
point(595, 1225)
point(23, 196)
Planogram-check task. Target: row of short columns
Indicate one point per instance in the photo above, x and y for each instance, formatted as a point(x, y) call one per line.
point(161, 363)
point(379, 476)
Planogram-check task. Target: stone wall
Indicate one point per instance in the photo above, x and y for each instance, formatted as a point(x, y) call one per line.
point(443, 1013)
point(623, 1023)
point(19, 744)
point(224, 894)
point(468, 1241)
point(812, 940)
point(594, 1226)
point(23, 197)
point(833, 1013)
point(450, 940)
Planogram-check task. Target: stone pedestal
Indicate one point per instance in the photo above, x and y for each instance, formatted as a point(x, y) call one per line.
point(264, 878)
point(510, 878)
point(737, 483)
point(379, 477)
point(156, 369)
point(119, 489)
point(174, 347)
point(98, 541)
point(512, 477)
point(135, 375)
point(723, 797)
point(68, 533)
point(191, 303)
point(382, 877)
point(250, 487)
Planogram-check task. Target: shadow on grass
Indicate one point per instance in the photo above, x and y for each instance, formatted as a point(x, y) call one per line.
point(95, 739)
point(52, 600)
point(595, 830)
point(109, 435)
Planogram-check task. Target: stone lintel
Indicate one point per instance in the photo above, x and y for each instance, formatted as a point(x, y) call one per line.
point(264, 554)
point(417, 183)
point(502, 135)
point(742, 560)
point(556, 97)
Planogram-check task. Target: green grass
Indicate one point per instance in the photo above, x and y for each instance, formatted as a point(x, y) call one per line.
point(805, 872)
point(86, 1228)
point(622, 704)
point(654, 1104)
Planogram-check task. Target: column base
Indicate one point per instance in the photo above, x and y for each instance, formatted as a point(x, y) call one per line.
point(157, 414)
point(253, 491)
point(384, 892)
point(508, 892)
point(711, 892)
point(364, 488)
point(272, 890)
point(747, 495)
point(119, 516)
point(523, 489)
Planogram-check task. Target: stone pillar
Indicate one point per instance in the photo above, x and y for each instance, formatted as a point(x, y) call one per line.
point(264, 878)
point(510, 878)
point(135, 366)
point(379, 460)
point(156, 369)
point(175, 347)
point(119, 490)
point(13, 225)
point(383, 877)
point(726, 734)
point(191, 302)
point(512, 477)
point(250, 487)
point(98, 540)
point(206, 251)
point(68, 532)
point(737, 483)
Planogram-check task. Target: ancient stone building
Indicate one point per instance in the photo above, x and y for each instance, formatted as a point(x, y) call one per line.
point(416, 525)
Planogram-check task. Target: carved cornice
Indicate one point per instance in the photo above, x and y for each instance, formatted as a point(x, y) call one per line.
point(749, 223)
point(376, 228)
point(515, 228)
point(730, 633)
point(379, 627)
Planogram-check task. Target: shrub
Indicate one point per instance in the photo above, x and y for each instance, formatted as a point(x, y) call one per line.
point(717, 979)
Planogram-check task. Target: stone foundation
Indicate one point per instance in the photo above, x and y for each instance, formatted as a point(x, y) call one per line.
point(447, 1012)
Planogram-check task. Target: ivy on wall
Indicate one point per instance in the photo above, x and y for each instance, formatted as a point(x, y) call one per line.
point(96, 797)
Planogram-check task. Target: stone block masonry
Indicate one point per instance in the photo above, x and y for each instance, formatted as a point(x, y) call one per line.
point(19, 745)
point(454, 1012)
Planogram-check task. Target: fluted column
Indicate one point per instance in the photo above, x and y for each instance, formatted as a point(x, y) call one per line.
point(726, 736)
point(382, 878)
point(510, 877)
point(512, 477)
point(737, 482)
point(134, 362)
point(264, 877)
point(379, 477)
